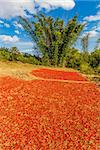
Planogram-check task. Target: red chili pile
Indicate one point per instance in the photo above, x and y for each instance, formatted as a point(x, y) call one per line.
point(55, 74)
point(48, 115)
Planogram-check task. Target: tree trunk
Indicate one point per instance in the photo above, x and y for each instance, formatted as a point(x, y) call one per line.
point(55, 57)
point(63, 58)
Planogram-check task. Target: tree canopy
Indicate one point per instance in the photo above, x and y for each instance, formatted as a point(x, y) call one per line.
point(53, 37)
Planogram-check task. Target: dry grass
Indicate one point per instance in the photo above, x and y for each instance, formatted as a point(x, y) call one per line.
point(18, 70)
point(22, 71)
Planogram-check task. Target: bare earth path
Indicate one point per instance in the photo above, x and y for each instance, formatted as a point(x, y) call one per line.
point(47, 114)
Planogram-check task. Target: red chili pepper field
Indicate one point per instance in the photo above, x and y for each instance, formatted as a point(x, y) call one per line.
point(56, 74)
point(44, 114)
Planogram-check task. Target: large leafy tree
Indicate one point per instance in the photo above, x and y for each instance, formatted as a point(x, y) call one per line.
point(53, 38)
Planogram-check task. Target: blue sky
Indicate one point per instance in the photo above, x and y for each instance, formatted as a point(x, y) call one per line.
point(13, 34)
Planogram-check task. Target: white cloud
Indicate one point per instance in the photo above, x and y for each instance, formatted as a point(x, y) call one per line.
point(17, 32)
point(96, 27)
point(8, 38)
point(17, 25)
point(52, 4)
point(12, 8)
point(25, 44)
point(1, 22)
point(93, 18)
point(92, 34)
point(6, 25)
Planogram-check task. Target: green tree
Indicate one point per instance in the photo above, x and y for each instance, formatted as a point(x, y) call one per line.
point(95, 58)
point(52, 37)
point(85, 44)
point(97, 44)
point(14, 52)
point(4, 54)
point(73, 58)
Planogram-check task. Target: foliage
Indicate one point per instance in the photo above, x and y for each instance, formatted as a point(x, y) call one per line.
point(86, 68)
point(85, 42)
point(54, 41)
point(14, 54)
point(95, 58)
point(85, 56)
point(97, 44)
point(73, 59)
point(97, 69)
point(52, 37)
point(4, 53)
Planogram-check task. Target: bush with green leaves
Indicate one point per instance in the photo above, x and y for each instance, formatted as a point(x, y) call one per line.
point(73, 59)
point(4, 54)
point(86, 68)
point(95, 58)
point(14, 54)
point(97, 69)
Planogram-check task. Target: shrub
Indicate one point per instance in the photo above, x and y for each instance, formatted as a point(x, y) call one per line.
point(86, 68)
point(73, 58)
point(97, 70)
point(4, 54)
point(95, 58)
point(13, 54)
